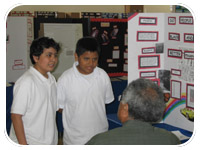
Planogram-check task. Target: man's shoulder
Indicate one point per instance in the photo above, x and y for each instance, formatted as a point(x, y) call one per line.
point(167, 135)
point(105, 137)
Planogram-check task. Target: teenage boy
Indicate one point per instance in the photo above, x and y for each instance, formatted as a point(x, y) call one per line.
point(83, 91)
point(35, 104)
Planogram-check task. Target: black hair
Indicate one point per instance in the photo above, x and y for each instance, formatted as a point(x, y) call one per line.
point(87, 44)
point(38, 45)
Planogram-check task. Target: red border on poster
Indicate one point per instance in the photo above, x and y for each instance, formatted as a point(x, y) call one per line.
point(148, 24)
point(171, 89)
point(149, 67)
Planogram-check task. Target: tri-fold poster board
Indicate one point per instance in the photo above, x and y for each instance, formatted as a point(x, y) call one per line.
point(113, 37)
point(161, 48)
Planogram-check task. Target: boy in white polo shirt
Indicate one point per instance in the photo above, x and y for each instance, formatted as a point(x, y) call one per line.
point(83, 91)
point(34, 105)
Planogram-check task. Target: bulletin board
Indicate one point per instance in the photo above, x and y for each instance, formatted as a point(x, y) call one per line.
point(161, 48)
point(113, 37)
point(66, 32)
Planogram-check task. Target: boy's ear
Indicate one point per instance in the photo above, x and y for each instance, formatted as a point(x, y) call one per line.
point(36, 58)
point(76, 56)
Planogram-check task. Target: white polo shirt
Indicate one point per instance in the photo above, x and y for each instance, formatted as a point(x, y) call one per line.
point(35, 98)
point(83, 102)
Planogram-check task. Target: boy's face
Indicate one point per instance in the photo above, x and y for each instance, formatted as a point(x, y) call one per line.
point(87, 62)
point(47, 61)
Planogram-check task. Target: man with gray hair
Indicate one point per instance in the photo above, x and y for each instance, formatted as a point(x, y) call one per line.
point(142, 103)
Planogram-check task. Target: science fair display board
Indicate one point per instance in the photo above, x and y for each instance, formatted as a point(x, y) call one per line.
point(65, 31)
point(19, 36)
point(113, 37)
point(161, 48)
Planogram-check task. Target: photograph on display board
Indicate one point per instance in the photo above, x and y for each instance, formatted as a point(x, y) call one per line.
point(95, 32)
point(125, 39)
point(114, 32)
point(159, 48)
point(164, 76)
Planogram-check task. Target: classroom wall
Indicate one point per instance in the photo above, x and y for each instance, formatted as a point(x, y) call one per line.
point(91, 8)
point(158, 9)
point(73, 8)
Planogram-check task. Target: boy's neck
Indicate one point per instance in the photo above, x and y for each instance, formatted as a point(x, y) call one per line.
point(43, 73)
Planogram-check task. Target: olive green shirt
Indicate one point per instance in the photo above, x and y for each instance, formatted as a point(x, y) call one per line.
point(135, 132)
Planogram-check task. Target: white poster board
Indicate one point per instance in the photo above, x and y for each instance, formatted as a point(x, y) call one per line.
point(19, 36)
point(67, 35)
point(169, 37)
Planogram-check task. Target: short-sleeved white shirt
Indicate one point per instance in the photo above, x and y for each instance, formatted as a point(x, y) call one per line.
point(35, 98)
point(83, 103)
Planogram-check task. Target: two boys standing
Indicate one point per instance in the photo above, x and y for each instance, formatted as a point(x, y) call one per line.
point(82, 93)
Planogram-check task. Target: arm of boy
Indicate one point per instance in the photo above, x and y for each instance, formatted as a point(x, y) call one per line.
point(19, 128)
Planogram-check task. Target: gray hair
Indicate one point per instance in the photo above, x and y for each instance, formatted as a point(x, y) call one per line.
point(145, 100)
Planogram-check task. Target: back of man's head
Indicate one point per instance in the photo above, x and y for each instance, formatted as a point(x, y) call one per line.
point(145, 100)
